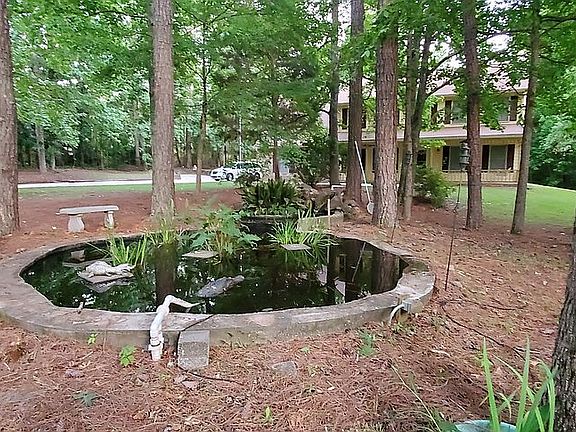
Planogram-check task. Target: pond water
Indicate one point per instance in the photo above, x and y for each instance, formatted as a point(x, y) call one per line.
point(274, 278)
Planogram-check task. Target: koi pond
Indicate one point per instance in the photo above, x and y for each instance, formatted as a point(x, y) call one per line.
point(273, 278)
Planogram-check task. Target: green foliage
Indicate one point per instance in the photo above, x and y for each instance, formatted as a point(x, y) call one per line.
point(367, 348)
point(92, 338)
point(272, 197)
point(221, 232)
point(268, 417)
point(309, 160)
point(553, 156)
point(86, 397)
point(533, 414)
point(287, 233)
point(127, 355)
point(125, 252)
point(430, 184)
point(167, 234)
point(247, 178)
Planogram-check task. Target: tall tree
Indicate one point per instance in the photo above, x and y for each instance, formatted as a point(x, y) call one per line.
point(473, 91)
point(406, 153)
point(334, 90)
point(163, 115)
point(356, 108)
point(529, 117)
point(385, 197)
point(565, 354)
point(9, 220)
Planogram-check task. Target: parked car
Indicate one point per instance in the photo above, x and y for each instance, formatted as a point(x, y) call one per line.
point(232, 171)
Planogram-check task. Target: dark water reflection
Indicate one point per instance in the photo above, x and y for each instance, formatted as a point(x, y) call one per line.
point(274, 279)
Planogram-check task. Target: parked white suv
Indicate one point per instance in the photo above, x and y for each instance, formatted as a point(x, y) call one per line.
point(232, 171)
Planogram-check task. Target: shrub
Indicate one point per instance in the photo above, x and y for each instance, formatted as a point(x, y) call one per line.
point(248, 178)
point(272, 197)
point(311, 161)
point(431, 185)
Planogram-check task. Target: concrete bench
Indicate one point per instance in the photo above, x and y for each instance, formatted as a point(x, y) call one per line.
point(75, 223)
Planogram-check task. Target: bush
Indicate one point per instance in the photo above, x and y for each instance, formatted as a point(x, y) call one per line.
point(248, 178)
point(431, 185)
point(311, 161)
point(272, 197)
point(221, 232)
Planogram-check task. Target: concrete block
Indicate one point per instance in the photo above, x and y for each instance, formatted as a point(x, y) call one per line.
point(193, 349)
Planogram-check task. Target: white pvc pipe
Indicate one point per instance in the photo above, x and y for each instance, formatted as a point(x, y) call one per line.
point(156, 338)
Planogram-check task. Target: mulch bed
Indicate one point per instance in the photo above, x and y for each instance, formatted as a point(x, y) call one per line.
point(503, 288)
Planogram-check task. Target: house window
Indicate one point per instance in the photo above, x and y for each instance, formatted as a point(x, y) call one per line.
point(454, 112)
point(510, 156)
point(513, 108)
point(497, 157)
point(448, 112)
point(458, 113)
point(451, 158)
point(421, 158)
point(434, 114)
point(344, 119)
point(511, 111)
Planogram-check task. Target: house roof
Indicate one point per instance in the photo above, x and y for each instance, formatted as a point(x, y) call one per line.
point(459, 132)
point(449, 89)
point(451, 132)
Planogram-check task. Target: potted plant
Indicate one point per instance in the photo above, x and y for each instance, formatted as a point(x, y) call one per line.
point(533, 414)
point(266, 203)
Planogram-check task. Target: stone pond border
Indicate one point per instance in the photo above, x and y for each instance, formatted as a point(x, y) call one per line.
point(23, 306)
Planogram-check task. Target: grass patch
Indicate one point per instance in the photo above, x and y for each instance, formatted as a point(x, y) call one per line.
point(79, 191)
point(545, 205)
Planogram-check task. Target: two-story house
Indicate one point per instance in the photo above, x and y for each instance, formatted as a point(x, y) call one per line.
point(441, 146)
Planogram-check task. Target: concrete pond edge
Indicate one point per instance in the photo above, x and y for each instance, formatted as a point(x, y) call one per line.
point(22, 305)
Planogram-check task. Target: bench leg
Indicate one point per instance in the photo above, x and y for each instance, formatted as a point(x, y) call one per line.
point(109, 220)
point(75, 224)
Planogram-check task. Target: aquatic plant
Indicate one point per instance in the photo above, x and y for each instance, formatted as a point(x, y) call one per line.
point(122, 252)
point(287, 233)
point(167, 233)
point(221, 232)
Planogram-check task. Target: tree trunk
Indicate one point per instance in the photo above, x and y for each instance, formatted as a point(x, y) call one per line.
point(53, 160)
point(40, 147)
point(187, 148)
point(355, 111)
point(412, 60)
point(9, 219)
point(334, 90)
point(565, 354)
point(385, 199)
point(177, 151)
point(474, 213)
point(163, 102)
point(416, 123)
point(522, 187)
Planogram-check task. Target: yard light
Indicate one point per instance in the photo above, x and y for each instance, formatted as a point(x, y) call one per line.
point(464, 154)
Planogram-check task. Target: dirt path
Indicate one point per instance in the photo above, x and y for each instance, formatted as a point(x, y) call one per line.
point(505, 288)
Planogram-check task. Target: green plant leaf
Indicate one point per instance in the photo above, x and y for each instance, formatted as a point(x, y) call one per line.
point(86, 397)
